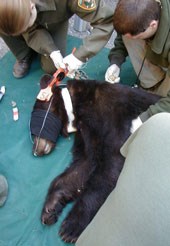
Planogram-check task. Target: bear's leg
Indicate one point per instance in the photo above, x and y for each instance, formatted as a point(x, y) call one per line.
point(97, 190)
point(65, 188)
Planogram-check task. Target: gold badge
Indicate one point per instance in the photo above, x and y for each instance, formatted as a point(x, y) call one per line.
point(87, 4)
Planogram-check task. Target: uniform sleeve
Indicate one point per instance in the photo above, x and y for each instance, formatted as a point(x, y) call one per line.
point(40, 40)
point(163, 105)
point(101, 20)
point(118, 53)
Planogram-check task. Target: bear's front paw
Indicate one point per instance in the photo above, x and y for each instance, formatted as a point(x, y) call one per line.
point(50, 213)
point(48, 218)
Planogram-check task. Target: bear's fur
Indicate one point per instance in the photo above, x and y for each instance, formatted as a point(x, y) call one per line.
point(103, 117)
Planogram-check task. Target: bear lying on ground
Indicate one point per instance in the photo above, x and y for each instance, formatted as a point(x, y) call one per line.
point(103, 116)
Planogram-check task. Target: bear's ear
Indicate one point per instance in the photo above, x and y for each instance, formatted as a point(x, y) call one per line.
point(45, 80)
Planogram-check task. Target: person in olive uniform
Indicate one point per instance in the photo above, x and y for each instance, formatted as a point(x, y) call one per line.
point(41, 26)
point(143, 35)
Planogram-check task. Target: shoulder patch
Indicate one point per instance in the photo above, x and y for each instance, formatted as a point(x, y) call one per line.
point(87, 4)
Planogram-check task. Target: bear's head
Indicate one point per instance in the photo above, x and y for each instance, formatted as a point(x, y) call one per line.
point(48, 120)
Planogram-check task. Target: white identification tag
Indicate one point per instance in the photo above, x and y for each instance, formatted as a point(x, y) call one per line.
point(45, 94)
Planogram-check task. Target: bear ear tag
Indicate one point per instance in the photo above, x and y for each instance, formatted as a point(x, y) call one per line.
point(45, 91)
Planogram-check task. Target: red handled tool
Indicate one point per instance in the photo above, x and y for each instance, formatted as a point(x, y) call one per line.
point(58, 76)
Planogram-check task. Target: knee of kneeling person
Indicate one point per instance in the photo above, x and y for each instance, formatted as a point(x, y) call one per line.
point(47, 65)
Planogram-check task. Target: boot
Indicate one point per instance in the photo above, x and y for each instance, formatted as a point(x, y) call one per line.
point(22, 67)
point(3, 190)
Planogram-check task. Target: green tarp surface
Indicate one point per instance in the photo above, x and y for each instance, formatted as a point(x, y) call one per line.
point(28, 176)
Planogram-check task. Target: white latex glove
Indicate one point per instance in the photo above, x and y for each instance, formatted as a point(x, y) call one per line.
point(72, 64)
point(136, 123)
point(57, 59)
point(112, 74)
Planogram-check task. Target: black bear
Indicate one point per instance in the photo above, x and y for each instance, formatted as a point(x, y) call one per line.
point(103, 117)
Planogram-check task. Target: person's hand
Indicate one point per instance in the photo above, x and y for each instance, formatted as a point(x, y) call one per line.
point(57, 59)
point(72, 64)
point(112, 74)
point(136, 123)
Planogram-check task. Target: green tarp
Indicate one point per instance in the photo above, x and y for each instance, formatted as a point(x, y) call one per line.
point(28, 176)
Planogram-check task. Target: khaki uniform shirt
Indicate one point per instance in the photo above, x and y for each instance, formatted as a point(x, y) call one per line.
point(57, 11)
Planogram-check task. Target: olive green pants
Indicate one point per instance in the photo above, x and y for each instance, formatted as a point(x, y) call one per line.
point(137, 212)
point(20, 49)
